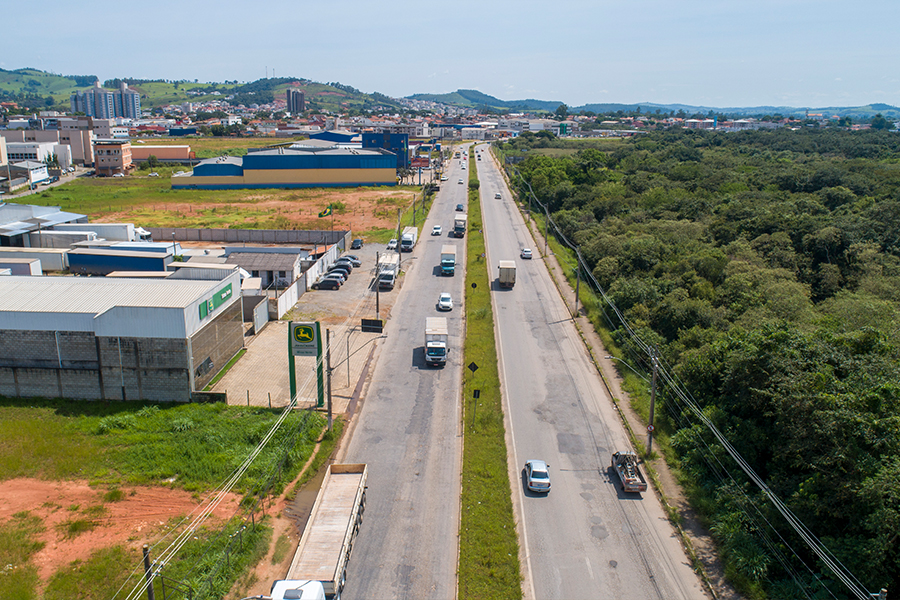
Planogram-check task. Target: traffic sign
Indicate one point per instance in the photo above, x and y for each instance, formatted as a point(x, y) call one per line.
point(650, 428)
point(473, 367)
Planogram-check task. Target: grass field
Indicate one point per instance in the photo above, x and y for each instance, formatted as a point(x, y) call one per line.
point(211, 147)
point(151, 202)
point(488, 545)
point(193, 446)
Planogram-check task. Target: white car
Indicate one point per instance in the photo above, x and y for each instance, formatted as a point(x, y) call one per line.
point(498, 196)
point(436, 230)
point(445, 302)
point(526, 253)
point(392, 245)
point(444, 178)
point(460, 181)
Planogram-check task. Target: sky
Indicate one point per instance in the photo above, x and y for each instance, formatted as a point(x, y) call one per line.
point(715, 53)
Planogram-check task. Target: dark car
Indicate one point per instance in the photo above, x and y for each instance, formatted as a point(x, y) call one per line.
point(327, 284)
point(340, 269)
point(342, 265)
point(460, 208)
point(356, 244)
point(347, 258)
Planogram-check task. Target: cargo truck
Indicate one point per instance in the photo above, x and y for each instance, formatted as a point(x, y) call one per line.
point(459, 225)
point(436, 337)
point(507, 273)
point(388, 270)
point(324, 547)
point(408, 239)
point(114, 232)
point(625, 464)
point(448, 260)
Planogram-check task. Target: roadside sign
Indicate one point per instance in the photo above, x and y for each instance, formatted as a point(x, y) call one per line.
point(305, 339)
point(372, 325)
point(473, 367)
point(650, 428)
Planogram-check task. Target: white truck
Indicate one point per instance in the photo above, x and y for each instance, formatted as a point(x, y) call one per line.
point(459, 225)
point(626, 465)
point(114, 232)
point(436, 338)
point(324, 547)
point(388, 270)
point(448, 259)
point(408, 239)
point(507, 273)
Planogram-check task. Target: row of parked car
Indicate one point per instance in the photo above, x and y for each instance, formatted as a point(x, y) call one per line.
point(337, 273)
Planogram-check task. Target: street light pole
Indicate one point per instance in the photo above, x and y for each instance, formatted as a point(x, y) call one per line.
point(328, 371)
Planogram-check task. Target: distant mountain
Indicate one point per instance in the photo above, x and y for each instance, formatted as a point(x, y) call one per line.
point(476, 99)
point(38, 90)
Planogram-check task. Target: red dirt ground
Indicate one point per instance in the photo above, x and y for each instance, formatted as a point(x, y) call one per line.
point(132, 521)
point(364, 209)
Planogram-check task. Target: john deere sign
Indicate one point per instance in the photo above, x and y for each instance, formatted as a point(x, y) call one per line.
point(220, 297)
point(305, 339)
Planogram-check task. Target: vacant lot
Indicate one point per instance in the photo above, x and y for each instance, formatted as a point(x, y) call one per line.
point(151, 202)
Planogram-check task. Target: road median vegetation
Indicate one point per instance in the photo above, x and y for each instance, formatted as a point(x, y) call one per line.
point(488, 546)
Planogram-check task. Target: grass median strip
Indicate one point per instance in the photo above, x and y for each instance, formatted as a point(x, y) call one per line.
point(488, 547)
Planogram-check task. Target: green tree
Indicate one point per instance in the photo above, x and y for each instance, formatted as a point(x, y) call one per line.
point(879, 122)
point(561, 112)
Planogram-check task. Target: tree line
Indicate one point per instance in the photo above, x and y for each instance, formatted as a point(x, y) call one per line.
point(766, 267)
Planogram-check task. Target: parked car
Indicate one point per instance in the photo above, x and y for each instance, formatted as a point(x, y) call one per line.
point(526, 253)
point(350, 259)
point(445, 302)
point(537, 476)
point(118, 175)
point(392, 245)
point(356, 244)
point(436, 230)
point(342, 263)
point(345, 273)
point(444, 178)
point(339, 275)
point(460, 208)
point(327, 284)
point(153, 174)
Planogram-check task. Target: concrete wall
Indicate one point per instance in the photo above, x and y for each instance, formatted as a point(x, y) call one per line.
point(214, 345)
point(250, 236)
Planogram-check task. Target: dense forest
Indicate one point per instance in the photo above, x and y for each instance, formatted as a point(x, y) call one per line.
point(766, 267)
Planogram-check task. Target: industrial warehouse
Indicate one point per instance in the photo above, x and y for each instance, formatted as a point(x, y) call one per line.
point(293, 168)
point(117, 339)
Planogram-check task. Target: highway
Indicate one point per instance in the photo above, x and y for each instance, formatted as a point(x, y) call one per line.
point(408, 432)
point(586, 538)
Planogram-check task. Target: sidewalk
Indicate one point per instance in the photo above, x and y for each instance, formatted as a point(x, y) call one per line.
point(703, 546)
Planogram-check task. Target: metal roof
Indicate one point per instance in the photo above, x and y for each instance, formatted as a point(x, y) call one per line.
point(95, 295)
point(259, 261)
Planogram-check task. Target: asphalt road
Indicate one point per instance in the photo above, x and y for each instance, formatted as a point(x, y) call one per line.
point(408, 433)
point(586, 538)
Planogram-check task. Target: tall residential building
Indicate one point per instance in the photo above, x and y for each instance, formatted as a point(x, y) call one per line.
point(296, 101)
point(107, 104)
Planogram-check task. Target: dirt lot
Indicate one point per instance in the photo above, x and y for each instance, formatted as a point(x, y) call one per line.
point(135, 519)
point(358, 209)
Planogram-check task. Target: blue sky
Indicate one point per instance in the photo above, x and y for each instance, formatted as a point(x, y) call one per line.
point(723, 53)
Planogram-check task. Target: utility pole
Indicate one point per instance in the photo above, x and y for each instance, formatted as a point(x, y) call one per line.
point(546, 228)
point(653, 354)
point(148, 573)
point(577, 278)
point(377, 286)
point(328, 370)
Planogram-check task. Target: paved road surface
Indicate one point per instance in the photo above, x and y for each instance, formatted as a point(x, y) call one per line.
point(408, 433)
point(586, 538)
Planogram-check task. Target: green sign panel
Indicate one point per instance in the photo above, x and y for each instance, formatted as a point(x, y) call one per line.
point(304, 339)
point(220, 297)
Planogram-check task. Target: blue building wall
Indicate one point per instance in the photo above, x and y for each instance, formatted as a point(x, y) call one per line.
point(398, 143)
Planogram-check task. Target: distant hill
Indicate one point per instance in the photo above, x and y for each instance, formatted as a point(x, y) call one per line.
point(37, 90)
point(476, 99)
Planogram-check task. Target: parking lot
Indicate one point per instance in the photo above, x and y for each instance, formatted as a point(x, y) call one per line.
point(261, 375)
